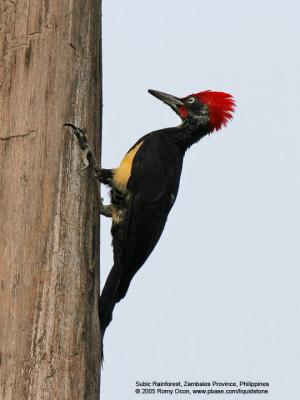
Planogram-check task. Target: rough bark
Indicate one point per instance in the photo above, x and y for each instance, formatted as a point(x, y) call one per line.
point(49, 222)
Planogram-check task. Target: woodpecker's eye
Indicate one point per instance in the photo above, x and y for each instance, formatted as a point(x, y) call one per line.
point(191, 100)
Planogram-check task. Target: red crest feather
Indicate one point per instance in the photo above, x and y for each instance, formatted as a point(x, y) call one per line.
point(220, 105)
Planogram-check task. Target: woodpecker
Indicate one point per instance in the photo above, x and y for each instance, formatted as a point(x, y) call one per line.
point(145, 185)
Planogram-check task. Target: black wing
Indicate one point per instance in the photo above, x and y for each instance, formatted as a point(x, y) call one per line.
point(153, 184)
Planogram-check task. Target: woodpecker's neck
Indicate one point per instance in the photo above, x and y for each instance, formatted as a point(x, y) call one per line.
point(190, 132)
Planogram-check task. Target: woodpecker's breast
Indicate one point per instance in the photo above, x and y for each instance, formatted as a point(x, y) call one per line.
point(122, 173)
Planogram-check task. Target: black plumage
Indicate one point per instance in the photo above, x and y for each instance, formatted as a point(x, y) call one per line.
point(150, 194)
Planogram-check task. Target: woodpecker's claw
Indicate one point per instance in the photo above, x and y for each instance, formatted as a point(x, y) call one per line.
point(85, 159)
point(81, 136)
point(89, 159)
point(87, 156)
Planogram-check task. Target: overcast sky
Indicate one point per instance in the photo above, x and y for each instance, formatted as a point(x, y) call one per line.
point(219, 297)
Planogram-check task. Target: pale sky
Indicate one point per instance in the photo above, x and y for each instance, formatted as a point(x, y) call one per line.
point(219, 297)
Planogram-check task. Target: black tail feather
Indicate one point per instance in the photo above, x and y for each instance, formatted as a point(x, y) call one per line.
point(108, 300)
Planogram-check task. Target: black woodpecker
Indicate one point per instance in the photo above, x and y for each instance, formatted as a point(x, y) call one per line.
point(145, 185)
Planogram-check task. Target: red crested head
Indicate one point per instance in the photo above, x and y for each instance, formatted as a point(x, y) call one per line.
point(220, 105)
point(208, 109)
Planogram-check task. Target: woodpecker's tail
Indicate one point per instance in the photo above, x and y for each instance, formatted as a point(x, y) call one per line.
point(108, 300)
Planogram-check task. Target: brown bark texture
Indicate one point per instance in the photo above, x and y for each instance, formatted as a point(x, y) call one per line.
point(50, 74)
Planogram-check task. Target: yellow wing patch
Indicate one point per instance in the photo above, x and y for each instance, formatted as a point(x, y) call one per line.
point(123, 172)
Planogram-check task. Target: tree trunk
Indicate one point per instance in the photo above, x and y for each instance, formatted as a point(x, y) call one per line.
point(49, 218)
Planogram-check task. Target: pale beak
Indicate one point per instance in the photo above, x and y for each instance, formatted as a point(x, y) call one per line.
point(168, 99)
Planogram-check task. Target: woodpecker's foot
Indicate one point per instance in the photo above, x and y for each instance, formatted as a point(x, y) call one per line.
point(103, 175)
point(105, 210)
point(88, 157)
